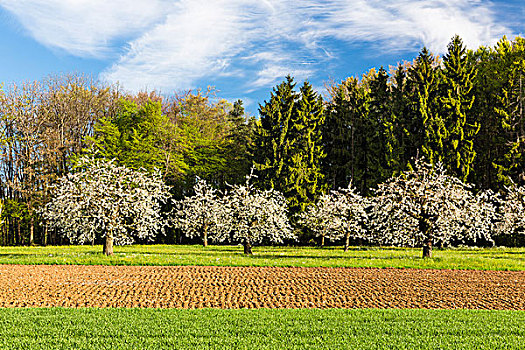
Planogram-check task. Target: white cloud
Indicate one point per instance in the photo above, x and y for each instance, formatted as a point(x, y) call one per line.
point(397, 23)
point(85, 27)
point(270, 74)
point(196, 39)
point(172, 44)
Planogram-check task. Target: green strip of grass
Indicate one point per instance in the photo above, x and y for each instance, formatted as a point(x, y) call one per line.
point(260, 329)
point(475, 259)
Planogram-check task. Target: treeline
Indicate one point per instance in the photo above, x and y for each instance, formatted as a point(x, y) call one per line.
point(45, 126)
point(464, 110)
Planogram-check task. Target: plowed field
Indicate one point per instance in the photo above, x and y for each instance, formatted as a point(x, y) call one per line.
point(257, 287)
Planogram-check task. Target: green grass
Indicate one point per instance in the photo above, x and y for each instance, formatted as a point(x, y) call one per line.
point(466, 258)
point(260, 329)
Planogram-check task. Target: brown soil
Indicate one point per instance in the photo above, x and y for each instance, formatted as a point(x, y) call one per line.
point(257, 287)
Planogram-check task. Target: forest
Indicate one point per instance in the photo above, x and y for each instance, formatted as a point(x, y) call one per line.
point(462, 112)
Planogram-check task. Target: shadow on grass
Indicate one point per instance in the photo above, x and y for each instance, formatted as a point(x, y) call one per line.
point(500, 257)
point(488, 255)
point(51, 255)
point(328, 258)
point(204, 253)
point(197, 251)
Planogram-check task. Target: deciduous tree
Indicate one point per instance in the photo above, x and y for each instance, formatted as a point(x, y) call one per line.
point(256, 215)
point(202, 215)
point(104, 200)
point(340, 214)
point(424, 207)
point(512, 211)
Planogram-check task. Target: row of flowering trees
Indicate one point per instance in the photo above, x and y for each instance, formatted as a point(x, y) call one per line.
point(241, 214)
point(104, 200)
point(420, 208)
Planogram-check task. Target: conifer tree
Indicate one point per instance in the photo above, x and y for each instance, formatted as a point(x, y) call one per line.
point(430, 132)
point(511, 111)
point(456, 103)
point(380, 120)
point(337, 140)
point(368, 135)
point(288, 150)
point(490, 140)
point(351, 109)
point(237, 149)
point(498, 106)
point(399, 148)
point(354, 136)
point(272, 142)
point(305, 182)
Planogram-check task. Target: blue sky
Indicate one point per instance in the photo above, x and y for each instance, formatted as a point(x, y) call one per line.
point(241, 47)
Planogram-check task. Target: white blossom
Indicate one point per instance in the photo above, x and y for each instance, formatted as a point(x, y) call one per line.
point(104, 200)
point(339, 214)
point(256, 215)
point(425, 207)
point(202, 215)
point(317, 217)
point(513, 211)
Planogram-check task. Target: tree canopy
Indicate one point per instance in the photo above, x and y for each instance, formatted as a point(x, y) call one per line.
point(104, 200)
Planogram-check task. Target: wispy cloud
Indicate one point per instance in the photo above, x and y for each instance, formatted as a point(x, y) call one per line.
point(270, 74)
point(398, 23)
point(85, 28)
point(174, 44)
point(196, 38)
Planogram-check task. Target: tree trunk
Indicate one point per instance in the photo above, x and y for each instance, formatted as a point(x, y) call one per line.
point(32, 231)
point(322, 241)
point(424, 227)
point(44, 238)
point(18, 224)
point(347, 242)
point(427, 249)
point(108, 246)
point(205, 237)
point(53, 237)
point(247, 247)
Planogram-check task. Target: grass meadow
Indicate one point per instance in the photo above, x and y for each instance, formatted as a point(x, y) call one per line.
point(260, 329)
point(381, 257)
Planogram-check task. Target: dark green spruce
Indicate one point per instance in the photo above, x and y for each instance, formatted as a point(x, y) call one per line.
point(287, 145)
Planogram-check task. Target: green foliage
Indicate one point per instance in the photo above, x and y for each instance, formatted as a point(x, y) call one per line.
point(354, 133)
point(398, 126)
point(287, 147)
point(194, 137)
point(260, 329)
point(215, 140)
point(466, 111)
point(337, 165)
point(332, 256)
point(140, 137)
point(511, 110)
point(456, 103)
point(431, 131)
point(305, 182)
point(499, 106)
point(204, 127)
point(273, 136)
point(238, 144)
point(15, 217)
